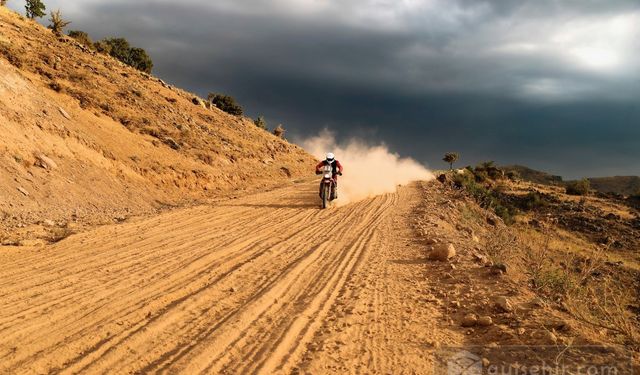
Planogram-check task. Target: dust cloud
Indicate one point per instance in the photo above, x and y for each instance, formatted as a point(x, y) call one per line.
point(368, 170)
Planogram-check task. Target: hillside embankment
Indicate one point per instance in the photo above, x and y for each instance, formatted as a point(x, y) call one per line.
point(88, 140)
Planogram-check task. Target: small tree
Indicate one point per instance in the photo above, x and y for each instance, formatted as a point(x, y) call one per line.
point(226, 103)
point(35, 9)
point(3, 2)
point(57, 23)
point(451, 157)
point(81, 37)
point(260, 122)
point(279, 131)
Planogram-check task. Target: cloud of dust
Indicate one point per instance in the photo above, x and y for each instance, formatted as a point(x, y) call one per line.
point(368, 170)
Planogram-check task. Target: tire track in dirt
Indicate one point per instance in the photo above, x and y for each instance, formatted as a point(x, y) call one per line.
point(242, 286)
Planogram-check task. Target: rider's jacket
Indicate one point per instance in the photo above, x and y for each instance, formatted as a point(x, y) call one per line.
point(337, 167)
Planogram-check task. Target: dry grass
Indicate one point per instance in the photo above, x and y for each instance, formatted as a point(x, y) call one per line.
point(576, 281)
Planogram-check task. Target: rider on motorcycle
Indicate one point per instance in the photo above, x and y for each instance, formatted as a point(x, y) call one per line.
point(337, 170)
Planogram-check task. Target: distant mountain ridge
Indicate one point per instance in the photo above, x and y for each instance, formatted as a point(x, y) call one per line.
point(625, 185)
point(535, 176)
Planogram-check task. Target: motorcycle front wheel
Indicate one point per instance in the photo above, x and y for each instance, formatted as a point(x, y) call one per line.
point(326, 192)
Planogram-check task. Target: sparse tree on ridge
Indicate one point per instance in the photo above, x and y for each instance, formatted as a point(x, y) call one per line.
point(35, 9)
point(57, 23)
point(225, 103)
point(120, 49)
point(451, 157)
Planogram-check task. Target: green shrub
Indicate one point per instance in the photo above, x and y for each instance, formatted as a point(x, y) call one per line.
point(513, 175)
point(81, 37)
point(120, 49)
point(533, 201)
point(102, 47)
point(580, 187)
point(226, 103)
point(486, 198)
point(139, 59)
point(260, 122)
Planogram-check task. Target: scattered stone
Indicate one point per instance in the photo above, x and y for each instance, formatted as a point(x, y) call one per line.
point(171, 143)
point(475, 239)
point(431, 241)
point(520, 331)
point(485, 321)
point(498, 269)
point(479, 257)
point(556, 324)
point(491, 221)
point(442, 178)
point(64, 113)
point(32, 243)
point(538, 302)
point(485, 362)
point(443, 252)
point(45, 162)
point(550, 336)
point(503, 304)
point(455, 304)
point(23, 191)
point(49, 223)
point(469, 320)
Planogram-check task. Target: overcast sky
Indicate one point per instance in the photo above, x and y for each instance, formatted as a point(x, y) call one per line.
point(551, 84)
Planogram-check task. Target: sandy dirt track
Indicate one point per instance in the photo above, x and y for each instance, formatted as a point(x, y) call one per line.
point(263, 284)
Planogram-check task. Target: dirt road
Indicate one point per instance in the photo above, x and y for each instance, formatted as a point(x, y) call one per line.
point(263, 284)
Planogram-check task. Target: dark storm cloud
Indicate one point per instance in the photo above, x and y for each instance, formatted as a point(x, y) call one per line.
point(552, 84)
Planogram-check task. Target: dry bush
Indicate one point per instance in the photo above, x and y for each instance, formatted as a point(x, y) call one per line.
point(279, 131)
point(502, 246)
point(579, 283)
point(57, 23)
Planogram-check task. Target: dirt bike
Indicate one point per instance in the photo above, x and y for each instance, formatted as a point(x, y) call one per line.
point(327, 185)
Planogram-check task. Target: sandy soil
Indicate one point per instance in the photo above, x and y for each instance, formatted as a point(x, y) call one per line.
point(263, 284)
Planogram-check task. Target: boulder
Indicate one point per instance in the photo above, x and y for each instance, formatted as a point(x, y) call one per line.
point(442, 252)
point(485, 321)
point(469, 320)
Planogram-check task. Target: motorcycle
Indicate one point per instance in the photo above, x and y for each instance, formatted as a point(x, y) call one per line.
point(327, 185)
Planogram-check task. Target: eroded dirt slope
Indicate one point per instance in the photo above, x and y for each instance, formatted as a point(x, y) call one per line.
point(87, 140)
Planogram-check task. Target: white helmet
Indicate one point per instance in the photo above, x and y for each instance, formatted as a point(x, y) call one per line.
point(331, 157)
